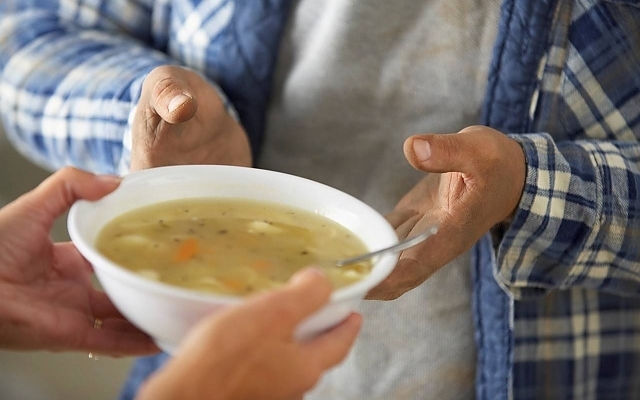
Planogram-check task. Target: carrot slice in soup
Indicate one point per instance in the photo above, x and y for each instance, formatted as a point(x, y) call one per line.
point(260, 265)
point(233, 284)
point(187, 250)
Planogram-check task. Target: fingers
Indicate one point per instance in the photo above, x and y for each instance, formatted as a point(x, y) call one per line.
point(71, 264)
point(307, 292)
point(101, 306)
point(406, 275)
point(121, 342)
point(406, 227)
point(171, 97)
point(111, 334)
point(332, 347)
point(400, 217)
point(419, 262)
point(403, 221)
point(69, 329)
point(56, 194)
point(441, 152)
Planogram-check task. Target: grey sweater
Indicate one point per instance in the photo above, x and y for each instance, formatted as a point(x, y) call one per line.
point(353, 80)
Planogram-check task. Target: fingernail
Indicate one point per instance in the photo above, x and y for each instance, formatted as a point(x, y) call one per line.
point(110, 178)
point(178, 101)
point(305, 274)
point(422, 149)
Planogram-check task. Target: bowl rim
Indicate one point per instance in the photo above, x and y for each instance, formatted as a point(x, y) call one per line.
point(102, 265)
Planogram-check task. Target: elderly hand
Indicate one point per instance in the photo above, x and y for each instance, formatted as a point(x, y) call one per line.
point(249, 351)
point(475, 181)
point(47, 300)
point(180, 119)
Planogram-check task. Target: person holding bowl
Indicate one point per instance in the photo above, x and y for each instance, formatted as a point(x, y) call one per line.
point(247, 351)
point(530, 287)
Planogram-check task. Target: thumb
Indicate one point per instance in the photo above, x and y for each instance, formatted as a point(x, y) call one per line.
point(171, 96)
point(439, 152)
point(56, 194)
point(306, 292)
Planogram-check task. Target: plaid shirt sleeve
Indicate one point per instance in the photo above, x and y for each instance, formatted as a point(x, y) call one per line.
point(578, 222)
point(71, 74)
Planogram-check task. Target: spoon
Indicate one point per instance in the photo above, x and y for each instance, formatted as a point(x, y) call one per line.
point(402, 245)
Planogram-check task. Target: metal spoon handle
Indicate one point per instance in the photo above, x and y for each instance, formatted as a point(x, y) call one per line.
point(402, 245)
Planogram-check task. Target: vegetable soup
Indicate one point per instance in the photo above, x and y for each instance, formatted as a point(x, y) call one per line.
point(228, 246)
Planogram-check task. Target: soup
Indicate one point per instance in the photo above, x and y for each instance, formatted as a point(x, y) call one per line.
point(228, 246)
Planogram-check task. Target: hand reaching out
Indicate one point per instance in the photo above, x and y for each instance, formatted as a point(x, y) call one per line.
point(475, 181)
point(47, 300)
point(180, 119)
point(249, 351)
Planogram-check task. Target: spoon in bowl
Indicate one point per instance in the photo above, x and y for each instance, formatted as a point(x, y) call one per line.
point(401, 245)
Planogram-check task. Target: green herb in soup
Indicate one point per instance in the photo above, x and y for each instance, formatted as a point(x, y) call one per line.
point(228, 246)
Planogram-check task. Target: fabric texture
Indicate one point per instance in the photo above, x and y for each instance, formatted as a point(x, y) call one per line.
point(569, 328)
point(346, 94)
point(72, 70)
point(556, 308)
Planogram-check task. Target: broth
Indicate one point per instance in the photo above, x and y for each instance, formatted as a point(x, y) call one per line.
point(228, 246)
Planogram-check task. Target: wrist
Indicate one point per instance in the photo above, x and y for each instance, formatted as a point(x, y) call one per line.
point(520, 169)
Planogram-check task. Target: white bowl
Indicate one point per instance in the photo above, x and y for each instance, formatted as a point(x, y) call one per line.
point(167, 312)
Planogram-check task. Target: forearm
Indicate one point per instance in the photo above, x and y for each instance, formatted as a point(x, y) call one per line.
point(67, 92)
point(577, 223)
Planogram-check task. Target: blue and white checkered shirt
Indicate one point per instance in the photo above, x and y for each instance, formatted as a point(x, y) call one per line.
point(71, 76)
point(571, 257)
point(72, 71)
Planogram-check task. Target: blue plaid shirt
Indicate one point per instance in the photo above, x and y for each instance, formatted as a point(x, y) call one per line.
point(571, 258)
point(570, 262)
